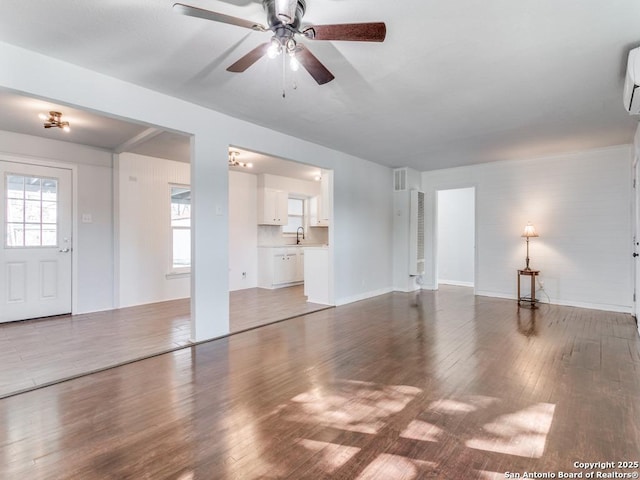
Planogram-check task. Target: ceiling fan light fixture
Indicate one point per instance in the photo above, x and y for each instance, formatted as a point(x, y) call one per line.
point(54, 120)
point(274, 49)
point(294, 64)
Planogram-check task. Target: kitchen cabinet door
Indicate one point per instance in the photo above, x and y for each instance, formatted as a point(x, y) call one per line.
point(272, 207)
point(284, 269)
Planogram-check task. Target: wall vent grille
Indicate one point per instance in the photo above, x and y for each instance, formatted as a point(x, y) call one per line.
point(400, 180)
point(416, 233)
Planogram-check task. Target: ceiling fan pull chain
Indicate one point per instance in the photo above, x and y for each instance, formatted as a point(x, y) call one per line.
point(284, 76)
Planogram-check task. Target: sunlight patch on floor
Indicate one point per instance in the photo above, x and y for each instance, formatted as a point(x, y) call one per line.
point(484, 475)
point(522, 433)
point(467, 404)
point(395, 467)
point(332, 455)
point(422, 431)
point(362, 407)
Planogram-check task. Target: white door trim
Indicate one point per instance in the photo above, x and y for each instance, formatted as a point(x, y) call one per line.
point(434, 243)
point(45, 162)
point(635, 209)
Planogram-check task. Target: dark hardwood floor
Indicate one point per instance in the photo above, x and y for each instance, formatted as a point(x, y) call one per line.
point(438, 385)
point(39, 352)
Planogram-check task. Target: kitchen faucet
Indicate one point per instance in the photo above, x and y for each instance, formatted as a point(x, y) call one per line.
point(298, 235)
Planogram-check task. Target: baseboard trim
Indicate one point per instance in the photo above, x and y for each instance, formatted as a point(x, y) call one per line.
point(565, 303)
point(363, 296)
point(455, 283)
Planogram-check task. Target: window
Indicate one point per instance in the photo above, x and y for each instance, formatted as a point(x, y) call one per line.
point(296, 215)
point(32, 211)
point(180, 228)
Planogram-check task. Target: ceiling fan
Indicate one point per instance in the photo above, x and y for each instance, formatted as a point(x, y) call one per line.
point(284, 19)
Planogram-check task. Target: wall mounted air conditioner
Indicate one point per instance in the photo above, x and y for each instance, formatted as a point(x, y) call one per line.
point(632, 83)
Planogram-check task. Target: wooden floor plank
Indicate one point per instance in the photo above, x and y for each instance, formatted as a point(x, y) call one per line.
point(39, 352)
point(438, 385)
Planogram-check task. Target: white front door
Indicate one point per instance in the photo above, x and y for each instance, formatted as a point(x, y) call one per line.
point(35, 258)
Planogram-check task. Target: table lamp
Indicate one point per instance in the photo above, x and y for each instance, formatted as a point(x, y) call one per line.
point(529, 231)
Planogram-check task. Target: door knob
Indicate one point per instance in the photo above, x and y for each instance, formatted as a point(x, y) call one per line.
point(64, 250)
point(635, 254)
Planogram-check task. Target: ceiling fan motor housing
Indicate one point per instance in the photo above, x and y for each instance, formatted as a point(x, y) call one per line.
point(280, 28)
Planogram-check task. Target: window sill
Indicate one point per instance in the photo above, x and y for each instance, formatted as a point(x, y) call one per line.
point(172, 275)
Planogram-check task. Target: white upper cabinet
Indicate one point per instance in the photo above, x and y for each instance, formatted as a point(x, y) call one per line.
point(320, 205)
point(272, 207)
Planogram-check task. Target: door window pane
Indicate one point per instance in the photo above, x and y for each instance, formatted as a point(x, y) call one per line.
point(32, 211)
point(49, 235)
point(15, 234)
point(32, 236)
point(49, 189)
point(49, 212)
point(32, 188)
point(31, 218)
point(15, 186)
point(15, 210)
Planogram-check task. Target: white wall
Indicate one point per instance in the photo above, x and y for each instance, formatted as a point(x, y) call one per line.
point(580, 204)
point(360, 241)
point(144, 237)
point(243, 230)
point(456, 236)
point(361, 237)
point(93, 254)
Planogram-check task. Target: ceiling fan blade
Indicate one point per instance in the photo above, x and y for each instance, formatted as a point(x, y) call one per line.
point(216, 17)
point(312, 65)
point(358, 32)
point(250, 58)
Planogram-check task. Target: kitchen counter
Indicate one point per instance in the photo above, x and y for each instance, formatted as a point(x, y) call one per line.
point(316, 274)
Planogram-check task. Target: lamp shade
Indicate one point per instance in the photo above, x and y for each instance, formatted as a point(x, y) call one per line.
point(529, 231)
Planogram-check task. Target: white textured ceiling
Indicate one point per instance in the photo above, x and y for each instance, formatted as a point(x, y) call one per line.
point(455, 82)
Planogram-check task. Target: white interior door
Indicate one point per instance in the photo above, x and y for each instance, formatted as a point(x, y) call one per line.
point(35, 258)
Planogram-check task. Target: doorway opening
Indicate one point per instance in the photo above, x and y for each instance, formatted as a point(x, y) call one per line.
point(279, 238)
point(456, 238)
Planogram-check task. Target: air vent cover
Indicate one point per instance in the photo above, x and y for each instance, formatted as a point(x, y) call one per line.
point(416, 233)
point(400, 180)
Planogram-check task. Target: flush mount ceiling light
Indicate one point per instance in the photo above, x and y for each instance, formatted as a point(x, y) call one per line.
point(234, 162)
point(54, 119)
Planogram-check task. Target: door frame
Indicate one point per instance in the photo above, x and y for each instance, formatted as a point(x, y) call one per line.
point(635, 228)
point(45, 162)
point(436, 226)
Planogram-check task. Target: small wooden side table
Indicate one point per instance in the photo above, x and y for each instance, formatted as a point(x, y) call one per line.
point(532, 299)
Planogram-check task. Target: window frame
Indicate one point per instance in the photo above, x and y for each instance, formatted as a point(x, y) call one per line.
point(5, 204)
point(173, 269)
point(305, 214)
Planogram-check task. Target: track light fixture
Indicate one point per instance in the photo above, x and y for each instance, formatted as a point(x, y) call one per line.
point(54, 119)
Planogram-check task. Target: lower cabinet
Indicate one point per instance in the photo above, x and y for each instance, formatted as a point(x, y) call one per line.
point(280, 266)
